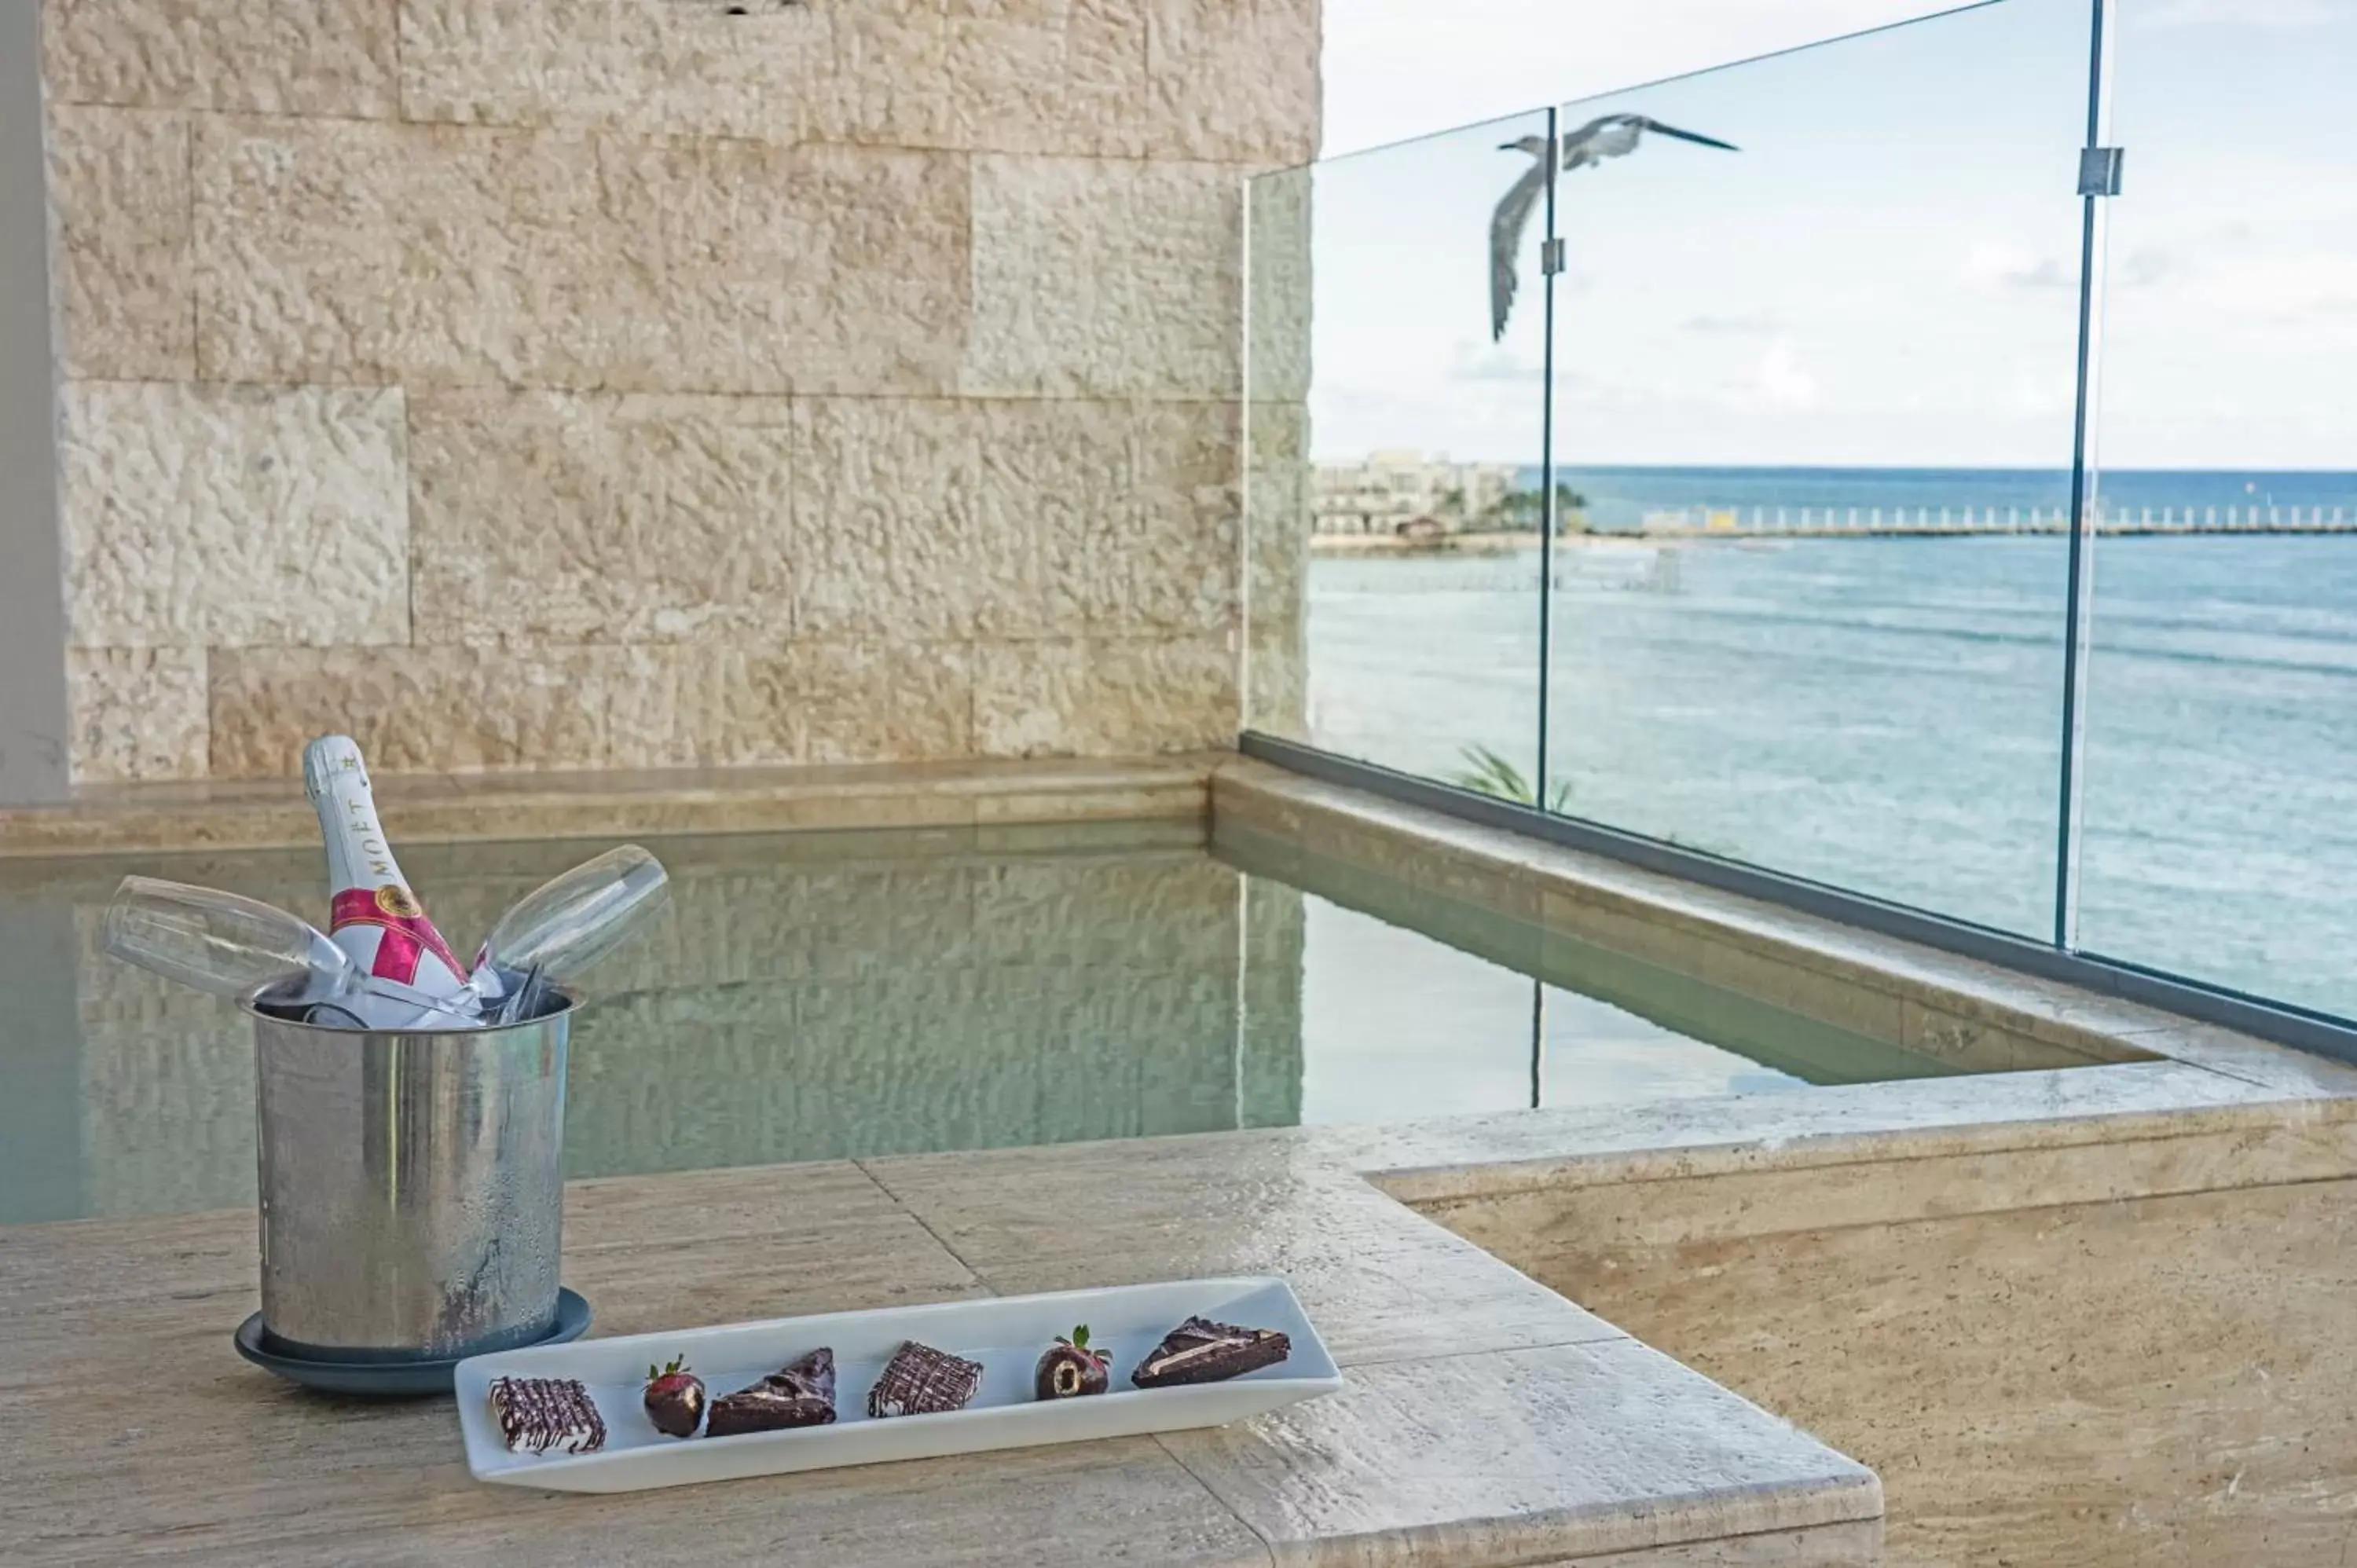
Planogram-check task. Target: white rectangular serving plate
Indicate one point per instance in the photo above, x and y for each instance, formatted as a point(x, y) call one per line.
point(1005, 1334)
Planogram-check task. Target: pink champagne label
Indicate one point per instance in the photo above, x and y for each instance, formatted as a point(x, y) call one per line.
point(408, 934)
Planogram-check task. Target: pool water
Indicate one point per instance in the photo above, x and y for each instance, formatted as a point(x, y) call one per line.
point(818, 996)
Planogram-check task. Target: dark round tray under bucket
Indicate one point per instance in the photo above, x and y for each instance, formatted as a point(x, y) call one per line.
point(401, 1379)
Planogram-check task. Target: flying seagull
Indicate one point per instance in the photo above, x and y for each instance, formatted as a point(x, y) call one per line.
point(1606, 136)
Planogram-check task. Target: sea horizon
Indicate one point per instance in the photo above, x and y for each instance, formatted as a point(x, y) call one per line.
point(1622, 496)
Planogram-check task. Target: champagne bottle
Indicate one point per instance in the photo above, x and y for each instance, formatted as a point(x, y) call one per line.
point(373, 915)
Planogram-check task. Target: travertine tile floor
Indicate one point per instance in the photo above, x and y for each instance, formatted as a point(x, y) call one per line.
point(1488, 1420)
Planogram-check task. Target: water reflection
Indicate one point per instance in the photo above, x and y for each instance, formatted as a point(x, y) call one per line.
point(823, 996)
point(809, 996)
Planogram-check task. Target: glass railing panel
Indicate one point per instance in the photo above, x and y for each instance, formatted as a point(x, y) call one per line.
point(2219, 836)
point(1813, 404)
point(1393, 444)
point(1278, 496)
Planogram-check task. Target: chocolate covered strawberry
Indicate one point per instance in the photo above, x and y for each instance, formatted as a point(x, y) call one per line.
point(674, 1398)
point(1069, 1368)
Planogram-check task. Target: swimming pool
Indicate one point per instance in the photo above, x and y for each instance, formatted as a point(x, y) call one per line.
point(826, 994)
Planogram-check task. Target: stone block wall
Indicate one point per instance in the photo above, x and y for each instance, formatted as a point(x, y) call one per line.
point(582, 383)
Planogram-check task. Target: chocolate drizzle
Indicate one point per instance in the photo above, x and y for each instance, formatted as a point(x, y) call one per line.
point(922, 1380)
point(537, 1414)
point(800, 1393)
point(1201, 1352)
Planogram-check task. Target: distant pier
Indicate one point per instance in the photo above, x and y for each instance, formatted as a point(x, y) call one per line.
point(1830, 523)
point(1861, 522)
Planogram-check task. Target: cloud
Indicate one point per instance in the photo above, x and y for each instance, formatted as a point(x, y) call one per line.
point(2273, 15)
point(2045, 394)
point(1403, 68)
point(2306, 291)
point(2001, 267)
point(1495, 362)
point(1996, 269)
point(1781, 378)
point(1729, 326)
point(2143, 265)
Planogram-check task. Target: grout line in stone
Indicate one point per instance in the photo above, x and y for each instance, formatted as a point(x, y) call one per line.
point(1269, 1547)
point(339, 378)
point(867, 1170)
point(2252, 1076)
point(673, 136)
point(1612, 1334)
point(232, 112)
point(195, 296)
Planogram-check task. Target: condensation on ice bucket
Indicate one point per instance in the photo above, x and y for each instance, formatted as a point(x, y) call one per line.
point(411, 1185)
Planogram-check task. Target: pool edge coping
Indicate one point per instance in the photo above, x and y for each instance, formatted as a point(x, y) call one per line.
point(418, 808)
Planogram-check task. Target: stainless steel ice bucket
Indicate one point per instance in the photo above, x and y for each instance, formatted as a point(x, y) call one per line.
point(412, 1186)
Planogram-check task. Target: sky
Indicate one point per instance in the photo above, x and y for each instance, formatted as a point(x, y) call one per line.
point(1886, 274)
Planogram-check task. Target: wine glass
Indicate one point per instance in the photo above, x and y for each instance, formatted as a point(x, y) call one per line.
point(566, 925)
point(230, 945)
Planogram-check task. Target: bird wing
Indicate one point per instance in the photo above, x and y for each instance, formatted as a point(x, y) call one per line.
point(1580, 147)
point(1659, 129)
point(1609, 135)
point(1511, 216)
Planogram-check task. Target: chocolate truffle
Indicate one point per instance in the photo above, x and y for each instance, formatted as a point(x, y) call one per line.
point(922, 1380)
point(1069, 1368)
point(1201, 1352)
point(800, 1393)
point(537, 1414)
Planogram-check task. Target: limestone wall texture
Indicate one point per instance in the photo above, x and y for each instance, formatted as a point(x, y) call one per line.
point(579, 384)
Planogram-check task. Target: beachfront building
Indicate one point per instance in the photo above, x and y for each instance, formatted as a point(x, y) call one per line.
point(1407, 491)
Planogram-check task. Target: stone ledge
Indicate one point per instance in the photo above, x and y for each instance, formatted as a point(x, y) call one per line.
point(1980, 1013)
point(1431, 1164)
point(457, 809)
point(2158, 1157)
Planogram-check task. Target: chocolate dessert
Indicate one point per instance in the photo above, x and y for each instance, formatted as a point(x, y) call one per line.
point(537, 1414)
point(800, 1393)
point(674, 1398)
point(1201, 1352)
point(1069, 1368)
point(922, 1380)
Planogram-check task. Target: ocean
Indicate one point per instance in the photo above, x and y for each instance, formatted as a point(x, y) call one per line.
point(1885, 713)
point(1620, 498)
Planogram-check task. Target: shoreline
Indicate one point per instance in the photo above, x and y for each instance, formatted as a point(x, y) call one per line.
point(1448, 544)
